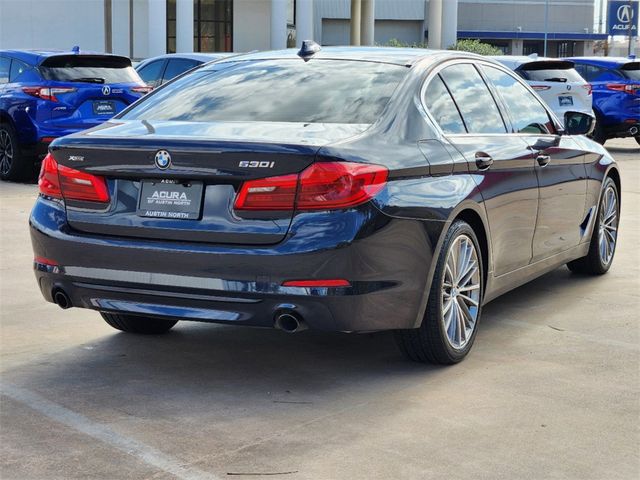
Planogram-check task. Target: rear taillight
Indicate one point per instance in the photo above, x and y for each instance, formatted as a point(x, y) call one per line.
point(623, 87)
point(589, 88)
point(142, 90)
point(47, 93)
point(540, 88)
point(63, 182)
point(322, 186)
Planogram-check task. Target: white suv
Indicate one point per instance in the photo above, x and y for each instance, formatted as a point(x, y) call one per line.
point(555, 80)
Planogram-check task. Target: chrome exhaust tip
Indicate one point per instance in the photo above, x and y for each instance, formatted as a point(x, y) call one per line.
point(289, 322)
point(633, 131)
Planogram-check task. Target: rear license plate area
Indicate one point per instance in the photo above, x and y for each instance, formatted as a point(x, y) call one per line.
point(171, 199)
point(565, 100)
point(104, 107)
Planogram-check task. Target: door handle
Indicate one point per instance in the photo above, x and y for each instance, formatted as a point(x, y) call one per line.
point(483, 160)
point(543, 159)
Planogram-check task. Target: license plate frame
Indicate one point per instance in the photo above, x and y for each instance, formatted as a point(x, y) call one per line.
point(98, 107)
point(170, 199)
point(565, 100)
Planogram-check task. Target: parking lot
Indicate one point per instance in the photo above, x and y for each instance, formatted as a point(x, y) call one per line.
point(551, 389)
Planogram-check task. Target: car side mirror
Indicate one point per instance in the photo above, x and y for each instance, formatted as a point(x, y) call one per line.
point(578, 123)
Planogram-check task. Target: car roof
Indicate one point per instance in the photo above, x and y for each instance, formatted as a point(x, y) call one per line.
point(393, 55)
point(604, 61)
point(37, 56)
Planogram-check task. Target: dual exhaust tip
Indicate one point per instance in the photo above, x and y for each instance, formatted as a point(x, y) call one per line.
point(288, 322)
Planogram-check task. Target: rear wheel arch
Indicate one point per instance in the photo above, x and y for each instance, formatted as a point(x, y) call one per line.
point(614, 174)
point(475, 220)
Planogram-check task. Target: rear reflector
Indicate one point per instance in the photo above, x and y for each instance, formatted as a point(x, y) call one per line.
point(63, 182)
point(45, 261)
point(322, 186)
point(338, 282)
point(46, 93)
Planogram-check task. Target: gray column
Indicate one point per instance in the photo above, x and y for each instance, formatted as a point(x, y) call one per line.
point(355, 22)
point(449, 30)
point(157, 33)
point(435, 22)
point(184, 26)
point(278, 24)
point(304, 21)
point(367, 23)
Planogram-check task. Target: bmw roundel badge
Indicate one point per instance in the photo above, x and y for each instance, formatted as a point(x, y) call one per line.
point(163, 159)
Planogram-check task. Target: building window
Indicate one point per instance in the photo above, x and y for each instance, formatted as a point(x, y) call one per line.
point(171, 26)
point(566, 49)
point(531, 47)
point(213, 25)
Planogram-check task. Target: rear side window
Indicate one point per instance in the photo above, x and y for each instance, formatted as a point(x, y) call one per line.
point(476, 104)
point(527, 113)
point(442, 107)
point(591, 73)
point(631, 70)
point(5, 65)
point(151, 73)
point(176, 66)
point(17, 67)
point(283, 90)
point(89, 68)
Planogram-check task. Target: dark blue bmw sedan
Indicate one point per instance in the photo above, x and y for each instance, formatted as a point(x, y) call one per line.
point(335, 189)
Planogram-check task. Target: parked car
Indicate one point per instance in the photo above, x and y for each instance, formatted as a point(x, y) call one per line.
point(616, 95)
point(158, 70)
point(343, 189)
point(556, 81)
point(48, 94)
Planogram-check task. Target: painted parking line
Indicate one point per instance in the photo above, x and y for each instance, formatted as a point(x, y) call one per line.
point(103, 433)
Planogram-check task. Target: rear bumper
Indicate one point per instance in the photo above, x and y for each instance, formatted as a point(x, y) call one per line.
point(624, 129)
point(385, 260)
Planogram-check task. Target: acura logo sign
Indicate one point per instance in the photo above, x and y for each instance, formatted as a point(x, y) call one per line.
point(625, 14)
point(106, 90)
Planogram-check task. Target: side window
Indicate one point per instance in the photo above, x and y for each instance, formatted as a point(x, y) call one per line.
point(476, 104)
point(176, 66)
point(17, 67)
point(5, 65)
point(442, 108)
point(527, 113)
point(151, 73)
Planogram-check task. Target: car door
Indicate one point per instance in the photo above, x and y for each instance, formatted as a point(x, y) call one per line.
point(500, 163)
point(558, 163)
point(5, 68)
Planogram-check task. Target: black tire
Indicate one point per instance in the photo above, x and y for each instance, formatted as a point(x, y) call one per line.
point(599, 135)
point(15, 163)
point(134, 324)
point(592, 263)
point(429, 342)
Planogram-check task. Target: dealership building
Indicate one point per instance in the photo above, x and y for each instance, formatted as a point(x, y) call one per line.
point(143, 28)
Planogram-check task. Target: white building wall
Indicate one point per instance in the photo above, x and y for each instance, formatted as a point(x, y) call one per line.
point(251, 25)
point(119, 27)
point(35, 24)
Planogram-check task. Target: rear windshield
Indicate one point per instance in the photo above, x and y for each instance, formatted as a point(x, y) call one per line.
point(551, 74)
point(90, 69)
point(284, 90)
point(631, 70)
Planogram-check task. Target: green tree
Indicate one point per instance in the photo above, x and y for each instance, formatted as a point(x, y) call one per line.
point(476, 46)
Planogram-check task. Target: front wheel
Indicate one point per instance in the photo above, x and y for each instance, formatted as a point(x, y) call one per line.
point(450, 323)
point(605, 234)
point(134, 324)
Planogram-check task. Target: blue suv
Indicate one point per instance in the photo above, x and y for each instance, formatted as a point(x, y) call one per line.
point(616, 95)
point(48, 94)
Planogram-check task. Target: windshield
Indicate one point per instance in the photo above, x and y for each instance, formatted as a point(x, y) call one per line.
point(283, 90)
point(89, 68)
point(552, 75)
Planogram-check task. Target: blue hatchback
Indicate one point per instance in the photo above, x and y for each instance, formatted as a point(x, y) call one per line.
point(49, 94)
point(616, 95)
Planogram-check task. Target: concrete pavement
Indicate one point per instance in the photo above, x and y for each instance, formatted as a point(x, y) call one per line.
point(551, 389)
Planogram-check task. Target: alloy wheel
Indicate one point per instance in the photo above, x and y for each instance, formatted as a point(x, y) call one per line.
point(6, 152)
point(461, 292)
point(608, 232)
